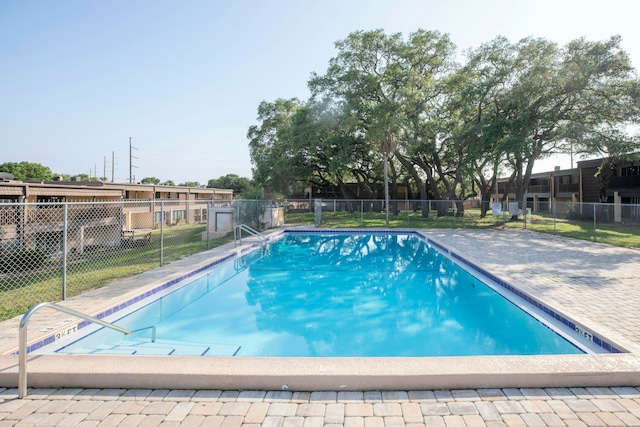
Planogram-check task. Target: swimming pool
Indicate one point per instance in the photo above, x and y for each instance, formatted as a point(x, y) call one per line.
point(376, 294)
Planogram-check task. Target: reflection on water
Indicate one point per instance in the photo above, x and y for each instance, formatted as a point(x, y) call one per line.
point(348, 295)
point(384, 295)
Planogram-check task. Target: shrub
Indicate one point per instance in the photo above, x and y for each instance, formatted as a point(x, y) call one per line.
point(21, 260)
point(573, 214)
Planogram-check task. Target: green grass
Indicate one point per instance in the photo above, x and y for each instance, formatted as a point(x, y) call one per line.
point(627, 236)
point(97, 269)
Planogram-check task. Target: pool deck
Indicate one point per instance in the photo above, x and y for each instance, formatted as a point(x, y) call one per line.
point(595, 285)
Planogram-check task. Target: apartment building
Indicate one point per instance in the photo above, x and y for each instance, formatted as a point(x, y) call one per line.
point(91, 214)
point(579, 185)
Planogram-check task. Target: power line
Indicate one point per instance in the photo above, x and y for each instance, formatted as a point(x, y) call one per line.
point(131, 157)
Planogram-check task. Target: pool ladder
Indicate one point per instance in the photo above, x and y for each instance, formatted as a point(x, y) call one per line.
point(237, 235)
point(22, 337)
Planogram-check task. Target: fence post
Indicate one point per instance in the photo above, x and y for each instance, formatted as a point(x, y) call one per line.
point(554, 217)
point(65, 232)
point(455, 215)
point(361, 213)
point(504, 218)
point(208, 223)
point(161, 232)
point(594, 222)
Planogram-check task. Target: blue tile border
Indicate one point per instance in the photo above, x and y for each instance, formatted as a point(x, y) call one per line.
point(351, 231)
point(599, 341)
point(52, 338)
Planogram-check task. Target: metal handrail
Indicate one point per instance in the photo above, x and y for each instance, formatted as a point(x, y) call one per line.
point(153, 331)
point(238, 229)
point(22, 337)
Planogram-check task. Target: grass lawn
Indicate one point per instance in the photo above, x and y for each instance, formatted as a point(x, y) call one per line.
point(627, 236)
point(92, 270)
point(95, 269)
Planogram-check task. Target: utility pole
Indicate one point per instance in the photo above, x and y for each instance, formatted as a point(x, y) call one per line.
point(131, 157)
point(104, 169)
point(113, 164)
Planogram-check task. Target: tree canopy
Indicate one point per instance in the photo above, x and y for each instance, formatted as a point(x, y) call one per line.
point(231, 181)
point(454, 127)
point(27, 171)
point(150, 180)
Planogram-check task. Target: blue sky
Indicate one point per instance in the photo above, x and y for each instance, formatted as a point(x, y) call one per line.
point(184, 79)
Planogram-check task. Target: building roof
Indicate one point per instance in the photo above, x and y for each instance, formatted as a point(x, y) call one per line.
point(94, 188)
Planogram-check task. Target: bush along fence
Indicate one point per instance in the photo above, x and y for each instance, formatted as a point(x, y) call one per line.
point(52, 251)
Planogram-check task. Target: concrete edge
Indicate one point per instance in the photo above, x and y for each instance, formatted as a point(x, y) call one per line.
point(326, 374)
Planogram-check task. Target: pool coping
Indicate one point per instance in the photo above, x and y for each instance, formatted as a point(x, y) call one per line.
point(302, 374)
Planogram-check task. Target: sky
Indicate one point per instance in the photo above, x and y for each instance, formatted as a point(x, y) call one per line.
point(183, 80)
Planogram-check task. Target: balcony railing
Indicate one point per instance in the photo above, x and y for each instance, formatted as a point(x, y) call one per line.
point(539, 189)
point(568, 188)
point(530, 189)
point(625, 181)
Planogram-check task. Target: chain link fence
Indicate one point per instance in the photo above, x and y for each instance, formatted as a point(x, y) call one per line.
point(615, 224)
point(52, 251)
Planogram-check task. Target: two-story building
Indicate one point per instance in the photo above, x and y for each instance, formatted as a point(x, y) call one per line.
point(544, 189)
point(579, 185)
point(93, 213)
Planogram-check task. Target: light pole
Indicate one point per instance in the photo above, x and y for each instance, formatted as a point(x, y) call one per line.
point(386, 186)
point(387, 146)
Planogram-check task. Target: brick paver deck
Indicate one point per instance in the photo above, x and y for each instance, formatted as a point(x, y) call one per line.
point(481, 407)
point(595, 282)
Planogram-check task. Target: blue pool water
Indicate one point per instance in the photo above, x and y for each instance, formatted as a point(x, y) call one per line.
point(334, 295)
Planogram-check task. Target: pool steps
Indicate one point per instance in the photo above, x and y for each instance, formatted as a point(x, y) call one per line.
point(160, 347)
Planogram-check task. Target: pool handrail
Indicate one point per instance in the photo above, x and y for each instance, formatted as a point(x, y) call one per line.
point(22, 337)
point(238, 230)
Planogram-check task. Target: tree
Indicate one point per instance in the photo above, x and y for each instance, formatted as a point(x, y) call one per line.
point(331, 151)
point(231, 181)
point(456, 127)
point(27, 171)
point(395, 88)
point(169, 182)
point(313, 144)
point(584, 94)
point(267, 152)
point(189, 184)
point(479, 114)
point(151, 180)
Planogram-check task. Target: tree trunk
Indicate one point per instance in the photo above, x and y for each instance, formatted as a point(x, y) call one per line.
point(421, 187)
point(394, 188)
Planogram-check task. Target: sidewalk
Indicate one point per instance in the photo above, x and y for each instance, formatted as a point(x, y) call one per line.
point(482, 407)
point(596, 283)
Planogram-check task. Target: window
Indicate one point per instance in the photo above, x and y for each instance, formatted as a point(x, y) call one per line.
point(178, 215)
point(630, 170)
point(568, 179)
